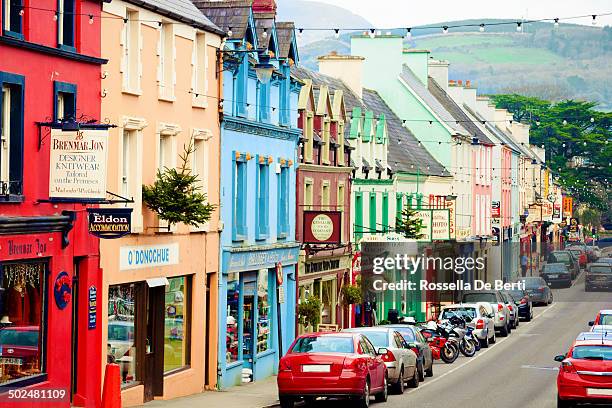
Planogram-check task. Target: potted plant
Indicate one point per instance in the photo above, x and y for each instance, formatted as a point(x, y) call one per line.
point(309, 311)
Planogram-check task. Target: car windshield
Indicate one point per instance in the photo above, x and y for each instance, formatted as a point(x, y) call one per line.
point(600, 269)
point(118, 332)
point(479, 297)
point(516, 294)
point(593, 352)
point(19, 337)
point(606, 319)
point(324, 344)
point(605, 260)
point(533, 282)
point(468, 312)
point(406, 333)
point(555, 268)
point(378, 338)
point(559, 257)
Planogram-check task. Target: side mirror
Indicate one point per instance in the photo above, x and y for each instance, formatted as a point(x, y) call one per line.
point(383, 350)
point(429, 339)
point(592, 323)
point(412, 345)
point(559, 358)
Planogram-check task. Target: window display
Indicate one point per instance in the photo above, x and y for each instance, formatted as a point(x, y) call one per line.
point(264, 313)
point(176, 333)
point(121, 331)
point(231, 341)
point(22, 301)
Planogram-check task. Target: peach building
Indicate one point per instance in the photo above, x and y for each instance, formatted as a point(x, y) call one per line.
point(161, 89)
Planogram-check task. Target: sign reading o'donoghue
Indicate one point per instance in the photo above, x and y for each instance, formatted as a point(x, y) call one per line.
point(146, 256)
point(322, 227)
point(78, 164)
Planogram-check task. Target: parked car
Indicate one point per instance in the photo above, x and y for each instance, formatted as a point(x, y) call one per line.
point(604, 316)
point(602, 328)
point(497, 302)
point(598, 276)
point(605, 260)
point(412, 335)
point(511, 305)
point(583, 375)
point(557, 274)
point(538, 290)
point(594, 335)
point(480, 316)
point(339, 365)
point(580, 253)
point(522, 302)
point(400, 359)
point(567, 258)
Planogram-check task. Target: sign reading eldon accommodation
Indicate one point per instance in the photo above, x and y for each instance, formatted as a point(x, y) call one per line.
point(110, 223)
point(78, 164)
point(322, 227)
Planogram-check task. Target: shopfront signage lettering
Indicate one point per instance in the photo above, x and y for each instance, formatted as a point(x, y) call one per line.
point(92, 307)
point(138, 257)
point(110, 223)
point(26, 248)
point(495, 209)
point(322, 227)
point(78, 161)
point(248, 261)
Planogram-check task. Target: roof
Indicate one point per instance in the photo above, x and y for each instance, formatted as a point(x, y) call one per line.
point(503, 137)
point(227, 14)
point(180, 10)
point(601, 342)
point(264, 23)
point(285, 33)
point(451, 106)
point(422, 92)
point(409, 155)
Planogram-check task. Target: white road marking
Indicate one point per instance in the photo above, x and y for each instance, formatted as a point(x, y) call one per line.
point(541, 368)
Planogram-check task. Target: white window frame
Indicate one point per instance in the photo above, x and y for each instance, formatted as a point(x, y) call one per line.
point(200, 168)
point(131, 63)
point(199, 64)
point(166, 69)
point(5, 148)
point(166, 139)
point(135, 126)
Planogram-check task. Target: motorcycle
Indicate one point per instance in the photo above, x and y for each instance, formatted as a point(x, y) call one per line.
point(453, 329)
point(441, 344)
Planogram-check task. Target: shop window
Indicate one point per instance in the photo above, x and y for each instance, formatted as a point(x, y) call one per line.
point(239, 226)
point(22, 322)
point(121, 345)
point(177, 324)
point(264, 312)
point(328, 302)
point(11, 19)
point(263, 198)
point(131, 52)
point(65, 101)
point(11, 132)
point(66, 24)
point(283, 206)
point(232, 336)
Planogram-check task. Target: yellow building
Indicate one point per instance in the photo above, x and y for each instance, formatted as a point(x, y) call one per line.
point(161, 90)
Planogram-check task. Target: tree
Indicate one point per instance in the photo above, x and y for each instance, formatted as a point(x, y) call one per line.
point(175, 196)
point(409, 224)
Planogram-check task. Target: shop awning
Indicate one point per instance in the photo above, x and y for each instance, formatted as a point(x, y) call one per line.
point(155, 282)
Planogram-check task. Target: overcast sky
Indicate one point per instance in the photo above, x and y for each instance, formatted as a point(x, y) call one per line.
point(407, 13)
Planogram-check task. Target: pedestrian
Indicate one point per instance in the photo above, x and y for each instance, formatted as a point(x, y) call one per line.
point(524, 264)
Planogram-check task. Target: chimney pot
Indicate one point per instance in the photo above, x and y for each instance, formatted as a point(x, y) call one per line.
point(467, 83)
point(460, 82)
point(333, 53)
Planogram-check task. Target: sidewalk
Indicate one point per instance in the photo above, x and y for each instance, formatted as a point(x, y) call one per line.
point(260, 394)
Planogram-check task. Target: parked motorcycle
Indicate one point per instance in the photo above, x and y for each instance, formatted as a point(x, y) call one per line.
point(442, 345)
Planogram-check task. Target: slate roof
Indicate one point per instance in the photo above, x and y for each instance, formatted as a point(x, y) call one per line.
point(421, 90)
point(284, 33)
point(408, 155)
point(455, 110)
point(503, 137)
point(180, 10)
point(226, 14)
point(264, 23)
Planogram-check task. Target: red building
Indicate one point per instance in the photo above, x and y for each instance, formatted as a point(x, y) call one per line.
point(323, 196)
point(50, 69)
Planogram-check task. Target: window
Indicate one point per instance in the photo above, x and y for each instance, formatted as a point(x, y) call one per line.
point(130, 159)
point(166, 74)
point(239, 227)
point(200, 162)
point(340, 207)
point(65, 23)
point(200, 65)
point(263, 105)
point(121, 346)
point(372, 212)
point(177, 323)
point(328, 301)
point(11, 19)
point(231, 321)
point(358, 215)
point(309, 136)
point(325, 196)
point(284, 95)
point(264, 311)
point(263, 198)
point(131, 52)
point(65, 101)
point(165, 151)
point(340, 148)
point(399, 203)
point(11, 132)
point(126, 154)
point(326, 141)
point(23, 321)
point(308, 194)
point(385, 211)
point(283, 207)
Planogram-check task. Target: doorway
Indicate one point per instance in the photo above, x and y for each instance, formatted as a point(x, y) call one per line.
point(75, 330)
point(153, 341)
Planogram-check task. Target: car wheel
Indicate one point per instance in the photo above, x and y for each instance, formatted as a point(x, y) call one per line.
point(364, 401)
point(421, 371)
point(484, 343)
point(398, 387)
point(564, 403)
point(384, 394)
point(429, 371)
point(550, 299)
point(286, 402)
point(587, 288)
point(517, 322)
point(503, 332)
point(529, 316)
point(415, 379)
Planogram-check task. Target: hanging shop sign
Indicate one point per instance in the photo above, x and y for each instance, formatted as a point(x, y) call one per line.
point(322, 227)
point(440, 225)
point(495, 209)
point(547, 211)
point(496, 233)
point(556, 218)
point(568, 206)
point(92, 308)
point(110, 223)
point(279, 273)
point(78, 164)
point(147, 256)
point(62, 290)
point(450, 205)
point(425, 216)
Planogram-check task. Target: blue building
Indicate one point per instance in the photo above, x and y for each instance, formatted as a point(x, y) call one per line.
point(259, 137)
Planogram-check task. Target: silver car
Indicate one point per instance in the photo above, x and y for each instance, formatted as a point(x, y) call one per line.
point(477, 315)
point(401, 362)
point(497, 302)
point(511, 305)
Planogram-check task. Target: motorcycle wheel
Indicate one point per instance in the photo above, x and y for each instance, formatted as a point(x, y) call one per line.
point(467, 348)
point(449, 354)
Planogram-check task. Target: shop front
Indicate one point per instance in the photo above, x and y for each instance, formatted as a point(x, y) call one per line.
point(257, 304)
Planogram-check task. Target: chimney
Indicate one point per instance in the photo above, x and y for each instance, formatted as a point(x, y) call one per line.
point(264, 6)
point(348, 68)
point(438, 70)
point(418, 62)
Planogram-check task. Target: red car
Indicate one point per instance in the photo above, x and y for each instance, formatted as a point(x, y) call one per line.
point(603, 318)
point(585, 375)
point(334, 365)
